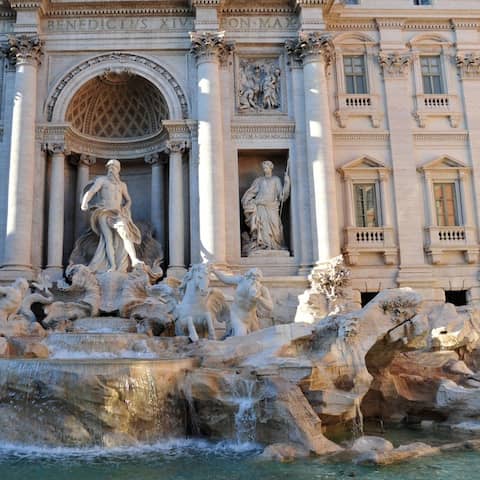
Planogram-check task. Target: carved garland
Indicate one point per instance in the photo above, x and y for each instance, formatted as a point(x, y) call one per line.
point(122, 57)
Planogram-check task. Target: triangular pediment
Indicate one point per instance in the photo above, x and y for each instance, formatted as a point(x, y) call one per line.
point(444, 162)
point(361, 163)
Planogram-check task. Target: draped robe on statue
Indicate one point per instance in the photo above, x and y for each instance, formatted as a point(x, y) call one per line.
point(116, 220)
point(261, 207)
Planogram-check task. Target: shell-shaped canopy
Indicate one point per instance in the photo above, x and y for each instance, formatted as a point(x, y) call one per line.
point(117, 106)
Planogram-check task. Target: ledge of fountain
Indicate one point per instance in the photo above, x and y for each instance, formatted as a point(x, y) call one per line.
point(104, 325)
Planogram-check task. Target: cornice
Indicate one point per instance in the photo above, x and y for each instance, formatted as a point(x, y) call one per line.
point(352, 25)
point(390, 22)
point(363, 138)
point(258, 9)
point(444, 138)
point(124, 11)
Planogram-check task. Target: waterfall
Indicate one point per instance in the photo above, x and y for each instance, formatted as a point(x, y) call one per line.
point(243, 390)
point(357, 423)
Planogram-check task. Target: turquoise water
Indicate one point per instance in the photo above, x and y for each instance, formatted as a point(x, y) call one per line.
point(197, 460)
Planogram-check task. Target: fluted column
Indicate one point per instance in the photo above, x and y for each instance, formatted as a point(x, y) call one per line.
point(157, 211)
point(26, 51)
point(56, 211)
point(83, 177)
point(176, 223)
point(315, 50)
point(209, 49)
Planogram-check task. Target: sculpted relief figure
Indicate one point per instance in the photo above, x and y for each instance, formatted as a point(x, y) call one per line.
point(111, 221)
point(258, 85)
point(251, 300)
point(262, 204)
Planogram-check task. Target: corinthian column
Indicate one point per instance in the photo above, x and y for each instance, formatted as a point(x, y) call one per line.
point(315, 50)
point(26, 51)
point(83, 176)
point(209, 49)
point(56, 211)
point(176, 222)
point(156, 200)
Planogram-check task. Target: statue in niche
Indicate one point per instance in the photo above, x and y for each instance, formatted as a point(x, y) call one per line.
point(262, 206)
point(251, 300)
point(259, 85)
point(111, 220)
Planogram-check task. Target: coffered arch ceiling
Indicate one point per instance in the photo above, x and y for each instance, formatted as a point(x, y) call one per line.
point(117, 106)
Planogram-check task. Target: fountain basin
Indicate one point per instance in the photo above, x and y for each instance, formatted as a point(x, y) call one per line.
point(91, 402)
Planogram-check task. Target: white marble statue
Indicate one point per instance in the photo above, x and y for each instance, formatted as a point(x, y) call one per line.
point(80, 299)
point(262, 204)
point(111, 221)
point(199, 304)
point(251, 299)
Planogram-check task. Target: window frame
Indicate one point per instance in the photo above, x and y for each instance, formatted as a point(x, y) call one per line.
point(377, 203)
point(457, 213)
point(364, 76)
point(442, 84)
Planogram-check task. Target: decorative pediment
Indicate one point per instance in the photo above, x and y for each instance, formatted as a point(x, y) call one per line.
point(363, 163)
point(444, 163)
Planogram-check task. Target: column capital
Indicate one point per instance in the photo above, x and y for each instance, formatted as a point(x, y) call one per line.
point(152, 159)
point(210, 46)
point(394, 64)
point(469, 64)
point(56, 148)
point(25, 49)
point(176, 146)
point(87, 160)
point(311, 46)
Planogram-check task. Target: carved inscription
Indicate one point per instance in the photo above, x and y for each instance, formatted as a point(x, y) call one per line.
point(117, 24)
point(242, 24)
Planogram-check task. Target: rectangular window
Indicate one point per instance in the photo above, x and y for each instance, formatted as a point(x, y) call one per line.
point(355, 77)
point(352, 2)
point(446, 204)
point(422, 2)
point(431, 74)
point(366, 205)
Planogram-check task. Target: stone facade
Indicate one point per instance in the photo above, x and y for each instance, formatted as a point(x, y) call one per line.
point(369, 106)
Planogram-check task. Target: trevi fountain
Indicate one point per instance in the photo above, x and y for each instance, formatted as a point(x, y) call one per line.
point(115, 367)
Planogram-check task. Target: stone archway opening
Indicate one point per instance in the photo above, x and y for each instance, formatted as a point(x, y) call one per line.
point(117, 114)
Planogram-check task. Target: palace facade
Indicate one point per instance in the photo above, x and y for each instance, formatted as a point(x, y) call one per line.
point(370, 107)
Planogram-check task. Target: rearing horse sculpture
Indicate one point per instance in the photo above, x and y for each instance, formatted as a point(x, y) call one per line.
point(194, 314)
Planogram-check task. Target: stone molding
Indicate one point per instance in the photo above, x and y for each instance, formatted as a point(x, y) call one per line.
point(270, 131)
point(394, 64)
point(468, 64)
point(27, 4)
point(25, 49)
point(177, 130)
point(121, 57)
point(210, 46)
point(360, 138)
point(311, 46)
point(444, 138)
